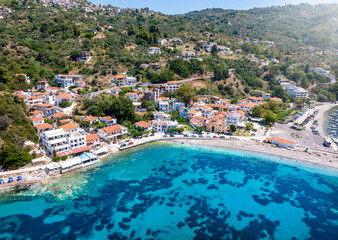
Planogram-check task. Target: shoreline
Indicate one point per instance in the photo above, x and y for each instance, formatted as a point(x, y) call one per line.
point(284, 154)
point(325, 160)
point(323, 109)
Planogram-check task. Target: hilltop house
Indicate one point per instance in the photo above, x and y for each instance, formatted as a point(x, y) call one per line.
point(47, 109)
point(172, 86)
point(132, 96)
point(42, 85)
point(36, 120)
point(163, 106)
point(122, 80)
point(63, 97)
point(153, 50)
point(67, 80)
point(90, 119)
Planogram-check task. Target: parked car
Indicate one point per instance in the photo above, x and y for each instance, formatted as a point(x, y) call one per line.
point(172, 135)
point(193, 135)
point(221, 136)
point(130, 143)
point(165, 135)
point(123, 145)
point(215, 137)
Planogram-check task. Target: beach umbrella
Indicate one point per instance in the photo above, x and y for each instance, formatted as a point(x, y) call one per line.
point(10, 179)
point(2, 181)
point(19, 178)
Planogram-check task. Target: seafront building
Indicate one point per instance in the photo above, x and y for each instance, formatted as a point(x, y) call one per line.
point(55, 141)
point(112, 132)
point(63, 142)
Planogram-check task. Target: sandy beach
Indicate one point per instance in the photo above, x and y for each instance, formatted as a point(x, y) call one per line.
point(321, 116)
point(38, 175)
point(329, 160)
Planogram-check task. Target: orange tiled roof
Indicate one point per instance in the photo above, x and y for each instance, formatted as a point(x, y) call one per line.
point(276, 99)
point(120, 76)
point(59, 115)
point(108, 118)
point(143, 124)
point(36, 118)
point(111, 129)
point(214, 105)
point(64, 121)
point(215, 121)
point(173, 82)
point(131, 94)
point(192, 112)
point(45, 105)
point(21, 96)
point(64, 96)
point(36, 112)
point(91, 137)
point(69, 126)
point(280, 140)
point(162, 98)
point(250, 105)
point(195, 120)
point(43, 126)
point(90, 118)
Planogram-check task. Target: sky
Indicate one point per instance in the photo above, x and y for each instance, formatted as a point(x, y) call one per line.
point(184, 6)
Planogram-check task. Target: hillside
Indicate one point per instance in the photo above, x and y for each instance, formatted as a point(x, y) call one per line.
point(293, 24)
point(232, 54)
point(15, 130)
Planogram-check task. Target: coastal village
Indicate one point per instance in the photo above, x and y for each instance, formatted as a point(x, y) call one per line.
point(179, 109)
point(168, 120)
point(69, 141)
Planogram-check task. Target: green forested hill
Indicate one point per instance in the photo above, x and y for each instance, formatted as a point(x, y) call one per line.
point(45, 41)
point(15, 130)
point(293, 24)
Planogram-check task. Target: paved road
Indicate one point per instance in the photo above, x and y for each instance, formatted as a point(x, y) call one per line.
point(93, 94)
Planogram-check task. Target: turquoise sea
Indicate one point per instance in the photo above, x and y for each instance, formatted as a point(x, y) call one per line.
point(175, 191)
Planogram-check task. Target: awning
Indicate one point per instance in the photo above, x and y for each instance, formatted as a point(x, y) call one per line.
point(70, 163)
point(84, 157)
point(66, 153)
point(79, 150)
point(53, 166)
point(101, 151)
point(91, 155)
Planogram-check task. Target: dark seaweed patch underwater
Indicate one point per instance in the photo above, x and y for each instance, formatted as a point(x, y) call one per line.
point(169, 191)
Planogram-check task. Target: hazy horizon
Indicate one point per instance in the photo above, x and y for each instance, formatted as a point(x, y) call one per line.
point(180, 7)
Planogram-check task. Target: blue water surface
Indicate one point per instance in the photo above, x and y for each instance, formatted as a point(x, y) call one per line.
point(173, 191)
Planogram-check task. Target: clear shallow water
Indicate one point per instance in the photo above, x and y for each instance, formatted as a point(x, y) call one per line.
point(171, 191)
